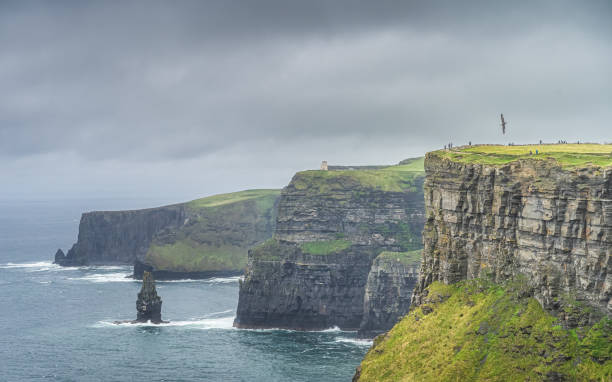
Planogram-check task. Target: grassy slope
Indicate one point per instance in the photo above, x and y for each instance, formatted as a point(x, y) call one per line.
point(406, 258)
point(398, 178)
point(567, 155)
point(223, 199)
point(200, 246)
point(479, 331)
point(325, 247)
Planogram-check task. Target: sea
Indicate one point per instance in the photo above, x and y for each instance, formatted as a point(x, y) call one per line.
point(56, 323)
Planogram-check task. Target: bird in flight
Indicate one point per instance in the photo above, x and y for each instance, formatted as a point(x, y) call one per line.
point(503, 124)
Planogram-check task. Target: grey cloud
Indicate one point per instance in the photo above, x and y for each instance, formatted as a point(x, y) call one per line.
point(163, 85)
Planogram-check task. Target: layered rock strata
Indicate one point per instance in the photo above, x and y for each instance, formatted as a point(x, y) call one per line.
point(331, 225)
point(148, 304)
point(388, 291)
point(202, 238)
point(119, 237)
point(528, 217)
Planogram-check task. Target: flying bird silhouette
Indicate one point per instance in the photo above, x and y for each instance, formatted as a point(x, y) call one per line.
point(503, 124)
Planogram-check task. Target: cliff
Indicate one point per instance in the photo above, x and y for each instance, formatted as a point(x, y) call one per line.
point(500, 212)
point(515, 279)
point(194, 239)
point(388, 290)
point(331, 225)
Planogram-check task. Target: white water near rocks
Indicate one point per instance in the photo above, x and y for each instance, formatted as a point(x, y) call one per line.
point(57, 323)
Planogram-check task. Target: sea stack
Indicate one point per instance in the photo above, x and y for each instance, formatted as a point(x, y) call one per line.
point(149, 303)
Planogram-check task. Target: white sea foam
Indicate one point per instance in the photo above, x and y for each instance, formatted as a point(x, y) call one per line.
point(354, 341)
point(105, 277)
point(224, 280)
point(212, 280)
point(108, 267)
point(38, 264)
point(199, 323)
point(333, 329)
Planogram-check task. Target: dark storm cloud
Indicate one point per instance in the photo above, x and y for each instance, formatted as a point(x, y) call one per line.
point(359, 81)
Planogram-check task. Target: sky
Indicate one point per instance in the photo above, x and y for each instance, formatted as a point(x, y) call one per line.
point(183, 99)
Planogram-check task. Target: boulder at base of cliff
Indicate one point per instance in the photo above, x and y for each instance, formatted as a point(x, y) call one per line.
point(60, 257)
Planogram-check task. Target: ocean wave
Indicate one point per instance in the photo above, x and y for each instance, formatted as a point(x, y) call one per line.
point(224, 280)
point(355, 341)
point(201, 323)
point(37, 264)
point(106, 277)
point(107, 267)
point(333, 329)
point(212, 280)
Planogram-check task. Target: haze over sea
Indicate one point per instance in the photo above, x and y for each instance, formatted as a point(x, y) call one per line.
point(56, 323)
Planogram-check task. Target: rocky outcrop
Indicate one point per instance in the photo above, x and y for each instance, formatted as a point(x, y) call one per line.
point(60, 257)
point(388, 290)
point(119, 237)
point(202, 238)
point(148, 304)
point(528, 217)
point(287, 288)
point(331, 225)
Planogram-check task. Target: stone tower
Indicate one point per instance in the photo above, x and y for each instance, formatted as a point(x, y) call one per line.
point(324, 165)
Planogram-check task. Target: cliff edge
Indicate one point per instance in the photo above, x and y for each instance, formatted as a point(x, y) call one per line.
point(195, 239)
point(331, 225)
point(499, 211)
point(515, 280)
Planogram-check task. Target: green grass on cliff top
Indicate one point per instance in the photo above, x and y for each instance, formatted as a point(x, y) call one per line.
point(486, 332)
point(189, 256)
point(567, 155)
point(234, 197)
point(406, 258)
point(325, 247)
point(397, 178)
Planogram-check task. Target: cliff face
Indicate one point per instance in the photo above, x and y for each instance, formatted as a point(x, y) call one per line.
point(109, 237)
point(331, 225)
point(388, 290)
point(530, 217)
point(194, 239)
point(287, 288)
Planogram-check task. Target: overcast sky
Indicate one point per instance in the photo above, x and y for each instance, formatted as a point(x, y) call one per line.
point(180, 99)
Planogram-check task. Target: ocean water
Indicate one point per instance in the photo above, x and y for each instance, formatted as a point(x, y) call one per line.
point(56, 324)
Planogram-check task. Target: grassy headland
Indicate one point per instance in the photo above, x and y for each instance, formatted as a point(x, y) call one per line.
point(217, 233)
point(566, 155)
point(397, 178)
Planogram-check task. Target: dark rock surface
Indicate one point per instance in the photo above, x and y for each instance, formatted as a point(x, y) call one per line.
point(387, 293)
point(120, 237)
point(198, 239)
point(148, 305)
point(288, 286)
point(60, 257)
point(529, 217)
